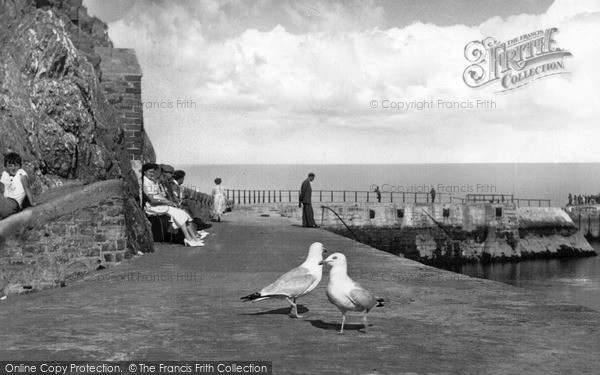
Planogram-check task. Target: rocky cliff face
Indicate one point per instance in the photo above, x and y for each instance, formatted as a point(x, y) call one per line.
point(54, 113)
point(52, 109)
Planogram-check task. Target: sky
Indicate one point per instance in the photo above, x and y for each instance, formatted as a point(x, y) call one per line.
point(355, 82)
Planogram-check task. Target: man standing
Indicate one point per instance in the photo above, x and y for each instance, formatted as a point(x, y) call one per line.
point(308, 219)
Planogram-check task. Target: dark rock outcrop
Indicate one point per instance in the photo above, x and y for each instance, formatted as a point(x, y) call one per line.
point(52, 109)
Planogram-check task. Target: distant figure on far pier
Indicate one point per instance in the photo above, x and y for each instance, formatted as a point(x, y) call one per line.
point(432, 192)
point(308, 217)
point(570, 199)
point(378, 192)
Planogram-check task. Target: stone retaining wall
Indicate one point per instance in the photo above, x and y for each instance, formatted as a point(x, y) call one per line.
point(88, 228)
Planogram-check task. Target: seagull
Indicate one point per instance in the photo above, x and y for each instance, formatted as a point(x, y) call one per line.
point(296, 282)
point(346, 294)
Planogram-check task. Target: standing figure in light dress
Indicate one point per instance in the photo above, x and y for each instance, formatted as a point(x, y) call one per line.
point(219, 202)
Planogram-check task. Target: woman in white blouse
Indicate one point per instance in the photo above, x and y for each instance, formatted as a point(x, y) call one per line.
point(16, 186)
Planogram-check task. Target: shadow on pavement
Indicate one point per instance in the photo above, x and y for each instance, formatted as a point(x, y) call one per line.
point(282, 311)
point(336, 326)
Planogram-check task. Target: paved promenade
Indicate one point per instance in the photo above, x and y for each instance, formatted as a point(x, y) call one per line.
point(184, 304)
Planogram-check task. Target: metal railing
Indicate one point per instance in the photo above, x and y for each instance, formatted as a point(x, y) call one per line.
point(244, 196)
point(340, 218)
point(508, 198)
point(528, 202)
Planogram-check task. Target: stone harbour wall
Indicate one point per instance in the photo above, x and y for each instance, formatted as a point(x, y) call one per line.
point(443, 233)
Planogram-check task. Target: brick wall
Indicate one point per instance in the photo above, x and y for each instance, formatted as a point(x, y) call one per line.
point(122, 85)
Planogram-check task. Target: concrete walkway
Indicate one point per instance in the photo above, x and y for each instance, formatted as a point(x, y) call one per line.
point(184, 304)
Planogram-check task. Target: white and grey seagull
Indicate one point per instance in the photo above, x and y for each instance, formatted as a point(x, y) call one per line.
point(296, 282)
point(345, 293)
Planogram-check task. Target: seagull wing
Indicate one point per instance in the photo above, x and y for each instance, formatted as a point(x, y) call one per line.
point(294, 283)
point(362, 298)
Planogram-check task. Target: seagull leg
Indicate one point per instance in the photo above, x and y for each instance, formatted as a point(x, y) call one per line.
point(343, 321)
point(294, 309)
point(366, 323)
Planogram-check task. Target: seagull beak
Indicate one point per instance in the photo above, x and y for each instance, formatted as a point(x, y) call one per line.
point(322, 262)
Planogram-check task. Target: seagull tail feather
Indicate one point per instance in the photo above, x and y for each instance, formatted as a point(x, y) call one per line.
point(380, 302)
point(254, 297)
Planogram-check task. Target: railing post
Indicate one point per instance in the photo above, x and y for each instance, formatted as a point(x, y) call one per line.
point(403, 197)
point(367, 197)
point(332, 195)
point(244, 196)
point(290, 195)
point(344, 199)
point(234, 197)
point(355, 196)
point(320, 195)
point(279, 196)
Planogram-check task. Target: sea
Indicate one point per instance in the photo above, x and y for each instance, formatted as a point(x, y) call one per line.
point(575, 280)
point(571, 280)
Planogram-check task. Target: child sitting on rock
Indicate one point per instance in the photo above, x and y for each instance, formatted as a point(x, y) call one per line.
point(16, 186)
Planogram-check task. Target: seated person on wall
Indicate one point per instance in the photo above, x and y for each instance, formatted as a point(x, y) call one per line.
point(165, 178)
point(192, 205)
point(158, 204)
point(15, 182)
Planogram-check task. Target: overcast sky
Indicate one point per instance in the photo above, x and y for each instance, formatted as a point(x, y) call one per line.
point(260, 82)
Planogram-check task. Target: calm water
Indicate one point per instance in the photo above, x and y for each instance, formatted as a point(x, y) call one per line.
point(573, 280)
point(576, 280)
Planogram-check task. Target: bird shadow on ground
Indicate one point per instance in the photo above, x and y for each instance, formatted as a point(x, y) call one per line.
point(282, 311)
point(336, 326)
